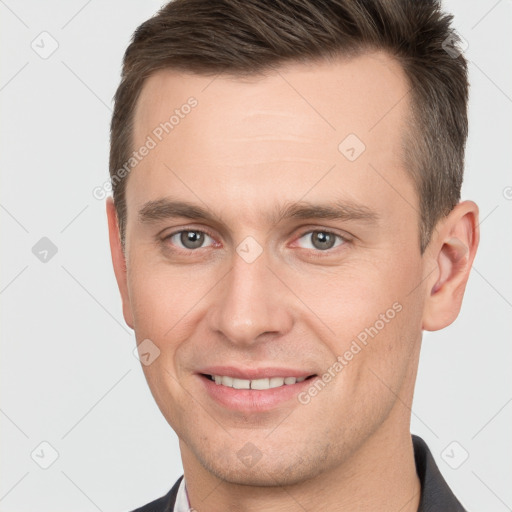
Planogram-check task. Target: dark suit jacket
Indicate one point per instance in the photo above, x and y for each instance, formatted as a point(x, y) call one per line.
point(436, 496)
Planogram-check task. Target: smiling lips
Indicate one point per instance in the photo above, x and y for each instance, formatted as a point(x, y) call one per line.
point(255, 379)
point(253, 390)
point(260, 384)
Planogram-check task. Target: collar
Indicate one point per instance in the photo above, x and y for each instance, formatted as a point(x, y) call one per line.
point(435, 493)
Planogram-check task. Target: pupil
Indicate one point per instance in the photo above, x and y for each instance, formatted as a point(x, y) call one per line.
point(192, 239)
point(322, 240)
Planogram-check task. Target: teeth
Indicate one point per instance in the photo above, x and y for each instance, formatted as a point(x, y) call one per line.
point(275, 382)
point(260, 384)
point(267, 383)
point(227, 381)
point(240, 383)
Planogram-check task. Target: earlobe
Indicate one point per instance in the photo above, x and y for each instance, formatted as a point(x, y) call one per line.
point(452, 251)
point(118, 260)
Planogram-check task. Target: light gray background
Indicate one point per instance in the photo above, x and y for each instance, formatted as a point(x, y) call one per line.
point(68, 374)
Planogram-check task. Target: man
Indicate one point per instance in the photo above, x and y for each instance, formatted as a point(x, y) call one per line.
point(285, 223)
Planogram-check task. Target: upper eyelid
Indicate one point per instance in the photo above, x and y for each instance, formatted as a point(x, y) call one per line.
point(324, 230)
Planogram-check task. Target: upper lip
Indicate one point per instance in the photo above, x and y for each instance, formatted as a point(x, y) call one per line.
point(254, 373)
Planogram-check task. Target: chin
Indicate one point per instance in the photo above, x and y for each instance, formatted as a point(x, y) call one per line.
point(274, 470)
point(270, 474)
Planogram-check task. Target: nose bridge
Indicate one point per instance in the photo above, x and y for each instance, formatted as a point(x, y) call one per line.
point(250, 301)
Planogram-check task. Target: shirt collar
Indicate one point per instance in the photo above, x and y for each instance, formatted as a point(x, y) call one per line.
point(435, 493)
point(182, 503)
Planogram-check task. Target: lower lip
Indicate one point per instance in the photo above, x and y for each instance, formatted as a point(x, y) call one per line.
point(253, 400)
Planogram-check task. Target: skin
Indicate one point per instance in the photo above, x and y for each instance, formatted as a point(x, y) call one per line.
point(250, 147)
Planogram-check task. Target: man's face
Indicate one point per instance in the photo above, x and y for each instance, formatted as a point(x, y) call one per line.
point(264, 287)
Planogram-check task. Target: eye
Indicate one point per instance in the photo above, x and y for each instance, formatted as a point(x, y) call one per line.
point(189, 239)
point(320, 240)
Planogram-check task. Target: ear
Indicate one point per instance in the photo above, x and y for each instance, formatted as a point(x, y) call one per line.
point(451, 252)
point(118, 260)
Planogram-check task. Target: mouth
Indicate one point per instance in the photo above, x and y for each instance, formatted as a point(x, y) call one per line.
point(254, 391)
point(260, 384)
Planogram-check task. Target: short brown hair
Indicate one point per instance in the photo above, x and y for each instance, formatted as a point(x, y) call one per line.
point(243, 37)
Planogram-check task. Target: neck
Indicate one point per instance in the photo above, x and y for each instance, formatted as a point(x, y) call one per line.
point(379, 476)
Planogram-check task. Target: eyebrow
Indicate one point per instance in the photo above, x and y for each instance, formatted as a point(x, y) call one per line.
point(163, 209)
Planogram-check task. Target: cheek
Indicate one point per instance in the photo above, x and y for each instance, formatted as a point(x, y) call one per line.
point(152, 305)
point(161, 295)
point(388, 332)
point(168, 305)
point(373, 314)
point(352, 296)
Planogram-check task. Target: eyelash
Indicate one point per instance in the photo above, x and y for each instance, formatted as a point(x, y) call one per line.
point(315, 253)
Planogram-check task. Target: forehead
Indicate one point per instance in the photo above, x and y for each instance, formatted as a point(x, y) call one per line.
point(331, 95)
point(285, 128)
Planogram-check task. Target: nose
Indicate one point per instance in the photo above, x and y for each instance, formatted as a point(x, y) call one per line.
point(251, 303)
